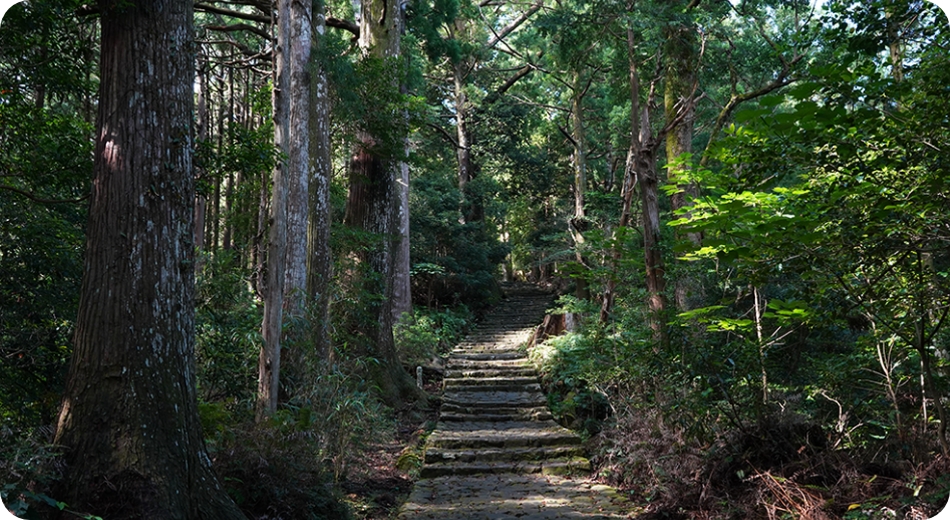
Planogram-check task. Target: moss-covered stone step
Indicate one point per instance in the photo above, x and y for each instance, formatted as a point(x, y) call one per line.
point(491, 399)
point(560, 467)
point(496, 415)
point(450, 382)
point(531, 412)
point(487, 434)
point(488, 356)
point(483, 364)
point(509, 371)
point(435, 455)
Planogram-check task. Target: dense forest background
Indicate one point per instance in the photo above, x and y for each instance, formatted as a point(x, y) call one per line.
point(744, 207)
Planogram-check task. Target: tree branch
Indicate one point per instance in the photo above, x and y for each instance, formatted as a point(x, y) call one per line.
point(240, 27)
point(346, 25)
point(207, 8)
point(510, 82)
point(500, 35)
point(41, 200)
point(444, 134)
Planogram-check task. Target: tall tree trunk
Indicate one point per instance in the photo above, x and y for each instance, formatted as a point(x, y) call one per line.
point(129, 417)
point(630, 167)
point(201, 202)
point(644, 148)
point(268, 365)
point(472, 210)
point(228, 239)
point(402, 296)
point(655, 271)
point(578, 224)
point(463, 134)
point(320, 261)
point(373, 206)
point(297, 150)
point(681, 56)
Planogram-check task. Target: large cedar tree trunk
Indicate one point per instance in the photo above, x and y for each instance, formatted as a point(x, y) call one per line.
point(320, 261)
point(373, 206)
point(129, 419)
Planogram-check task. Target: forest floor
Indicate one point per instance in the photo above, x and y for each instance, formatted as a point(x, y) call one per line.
point(376, 490)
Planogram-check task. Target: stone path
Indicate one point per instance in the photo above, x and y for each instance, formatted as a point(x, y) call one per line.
point(496, 452)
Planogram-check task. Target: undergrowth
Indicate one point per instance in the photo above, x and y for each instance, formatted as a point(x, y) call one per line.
point(690, 437)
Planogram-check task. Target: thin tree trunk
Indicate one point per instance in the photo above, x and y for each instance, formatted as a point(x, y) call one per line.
point(578, 224)
point(464, 150)
point(201, 202)
point(655, 270)
point(227, 242)
point(129, 417)
point(630, 169)
point(402, 297)
point(269, 361)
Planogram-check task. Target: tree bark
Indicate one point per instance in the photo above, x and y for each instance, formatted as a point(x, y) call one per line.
point(578, 224)
point(320, 261)
point(462, 131)
point(129, 419)
point(297, 150)
point(681, 65)
point(373, 207)
point(645, 166)
point(642, 160)
point(268, 365)
point(402, 296)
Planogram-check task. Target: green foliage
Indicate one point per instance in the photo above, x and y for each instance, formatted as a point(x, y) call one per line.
point(227, 324)
point(45, 167)
point(27, 461)
point(430, 332)
point(424, 21)
point(454, 262)
point(570, 371)
point(824, 208)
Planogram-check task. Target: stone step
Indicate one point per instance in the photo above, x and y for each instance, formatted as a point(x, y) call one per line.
point(559, 467)
point(518, 434)
point(485, 356)
point(434, 455)
point(491, 372)
point(493, 399)
point(453, 382)
point(520, 362)
point(486, 349)
point(485, 370)
point(498, 415)
point(529, 411)
point(496, 387)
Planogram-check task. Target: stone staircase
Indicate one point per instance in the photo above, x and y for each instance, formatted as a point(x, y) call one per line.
point(494, 417)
